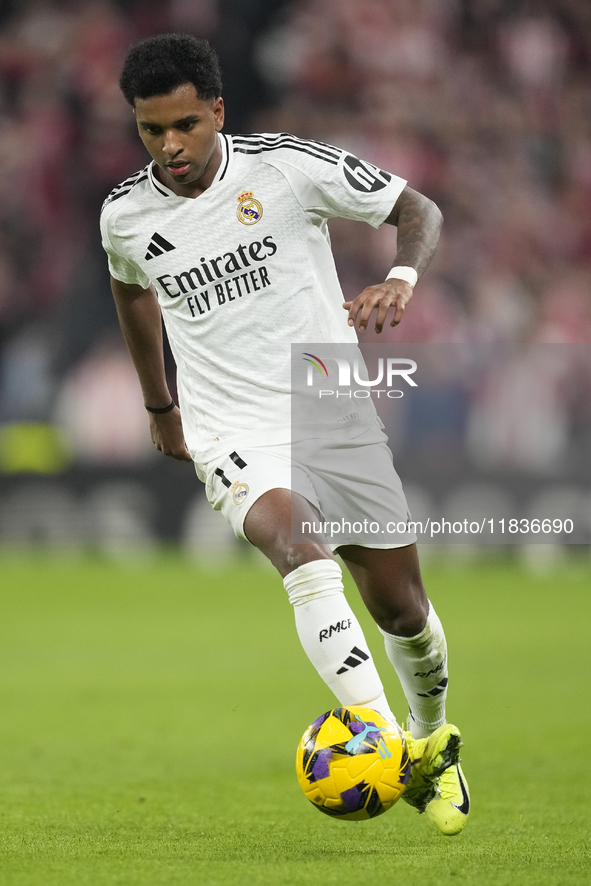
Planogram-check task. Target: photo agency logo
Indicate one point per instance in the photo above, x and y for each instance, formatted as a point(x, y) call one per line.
point(347, 373)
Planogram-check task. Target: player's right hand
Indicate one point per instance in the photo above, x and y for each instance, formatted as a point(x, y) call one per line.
point(167, 434)
point(392, 293)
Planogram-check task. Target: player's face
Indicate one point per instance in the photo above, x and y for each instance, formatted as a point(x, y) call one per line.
point(179, 131)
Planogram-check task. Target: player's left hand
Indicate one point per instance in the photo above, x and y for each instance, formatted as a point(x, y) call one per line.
point(392, 293)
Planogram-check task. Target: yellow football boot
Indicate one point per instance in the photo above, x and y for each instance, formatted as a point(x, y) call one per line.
point(429, 758)
point(449, 809)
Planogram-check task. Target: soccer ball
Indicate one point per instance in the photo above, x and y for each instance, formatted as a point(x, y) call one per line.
point(352, 763)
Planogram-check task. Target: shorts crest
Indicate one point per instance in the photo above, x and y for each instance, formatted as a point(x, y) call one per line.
point(239, 492)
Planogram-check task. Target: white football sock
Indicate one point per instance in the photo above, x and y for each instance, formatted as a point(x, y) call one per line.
point(332, 637)
point(421, 665)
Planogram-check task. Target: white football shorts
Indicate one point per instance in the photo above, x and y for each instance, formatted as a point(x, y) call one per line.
point(351, 483)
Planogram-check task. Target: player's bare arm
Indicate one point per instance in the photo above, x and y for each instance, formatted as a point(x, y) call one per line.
point(419, 222)
point(139, 316)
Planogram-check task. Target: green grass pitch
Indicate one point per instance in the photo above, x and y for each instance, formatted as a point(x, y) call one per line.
point(149, 717)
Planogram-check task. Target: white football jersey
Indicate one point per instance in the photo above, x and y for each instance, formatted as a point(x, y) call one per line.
point(241, 272)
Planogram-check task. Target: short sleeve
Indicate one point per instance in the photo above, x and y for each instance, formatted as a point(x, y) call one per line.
point(120, 267)
point(330, 182)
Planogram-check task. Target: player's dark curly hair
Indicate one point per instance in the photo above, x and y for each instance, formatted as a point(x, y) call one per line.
point(160, 64)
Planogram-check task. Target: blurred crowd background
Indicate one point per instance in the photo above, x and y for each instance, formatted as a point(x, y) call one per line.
point(483, 105)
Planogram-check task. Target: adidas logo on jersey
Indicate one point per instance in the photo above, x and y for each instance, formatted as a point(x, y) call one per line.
point(157, 246)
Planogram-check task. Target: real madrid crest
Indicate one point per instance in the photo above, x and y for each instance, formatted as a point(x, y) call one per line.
point(249, 210)
point(239, 492)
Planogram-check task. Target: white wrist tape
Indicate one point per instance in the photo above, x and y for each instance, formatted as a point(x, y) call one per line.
point(404, 273)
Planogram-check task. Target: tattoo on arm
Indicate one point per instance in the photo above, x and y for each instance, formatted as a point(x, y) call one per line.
point(419, 224)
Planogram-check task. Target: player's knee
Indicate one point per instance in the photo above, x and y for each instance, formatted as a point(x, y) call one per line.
point(287, 558)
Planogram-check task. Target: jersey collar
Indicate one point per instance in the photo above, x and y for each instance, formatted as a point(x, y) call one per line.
point(164, 191)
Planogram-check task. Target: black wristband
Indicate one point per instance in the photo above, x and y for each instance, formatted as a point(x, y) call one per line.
point(162, 409)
